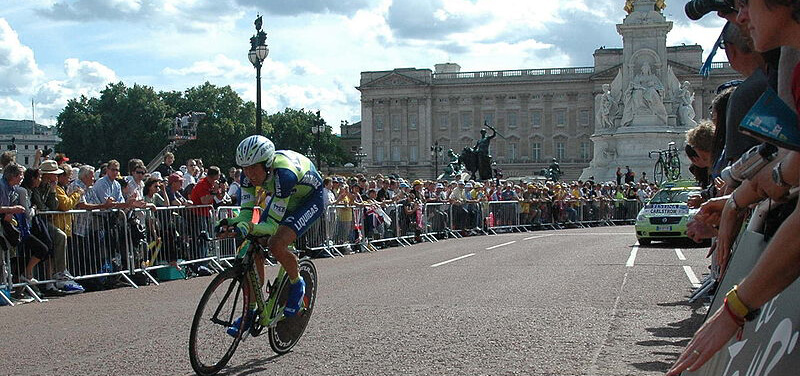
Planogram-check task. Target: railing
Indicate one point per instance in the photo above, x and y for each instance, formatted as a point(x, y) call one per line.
point(513, 73)
point(129, 246)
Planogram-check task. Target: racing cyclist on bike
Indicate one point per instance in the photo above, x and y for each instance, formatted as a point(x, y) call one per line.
point(294, 201)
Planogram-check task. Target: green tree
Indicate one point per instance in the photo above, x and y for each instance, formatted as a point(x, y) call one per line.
point(228, 120)
point(123, 123)
point(135, 122)
point(292, 129)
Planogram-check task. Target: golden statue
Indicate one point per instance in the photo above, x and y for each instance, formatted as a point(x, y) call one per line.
point(659, 5)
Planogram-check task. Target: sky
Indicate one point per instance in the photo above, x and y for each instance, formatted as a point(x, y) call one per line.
point(55, 50)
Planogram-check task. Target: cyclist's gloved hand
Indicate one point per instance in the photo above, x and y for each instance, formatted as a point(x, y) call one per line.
point(243, 229)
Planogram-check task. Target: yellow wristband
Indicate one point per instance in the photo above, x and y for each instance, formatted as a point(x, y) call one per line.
point(735, 304)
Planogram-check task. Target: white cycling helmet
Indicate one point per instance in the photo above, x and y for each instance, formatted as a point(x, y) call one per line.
point(255, 149)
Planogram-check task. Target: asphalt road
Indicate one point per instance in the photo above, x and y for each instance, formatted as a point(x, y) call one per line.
point(569, 302)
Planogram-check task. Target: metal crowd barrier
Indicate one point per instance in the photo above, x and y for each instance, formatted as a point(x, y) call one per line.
point(123, 244)
point(117, 244)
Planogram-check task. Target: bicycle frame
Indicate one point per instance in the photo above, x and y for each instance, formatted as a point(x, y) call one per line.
point(245, 254)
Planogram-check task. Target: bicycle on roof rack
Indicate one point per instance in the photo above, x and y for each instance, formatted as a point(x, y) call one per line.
point(668, 165)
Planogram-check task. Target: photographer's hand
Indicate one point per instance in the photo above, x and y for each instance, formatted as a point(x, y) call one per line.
point(711, 211)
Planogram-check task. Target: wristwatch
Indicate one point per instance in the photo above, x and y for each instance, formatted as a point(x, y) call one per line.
point(777, 176)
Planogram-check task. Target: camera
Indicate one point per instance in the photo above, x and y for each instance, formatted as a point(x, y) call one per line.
point(749, 164)
point(696, 9)
point(46, 152)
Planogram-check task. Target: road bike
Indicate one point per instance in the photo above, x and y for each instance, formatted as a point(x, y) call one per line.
point(668, 164)
point(228, 297)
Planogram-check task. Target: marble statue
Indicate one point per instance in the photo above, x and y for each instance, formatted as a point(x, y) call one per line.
point(644, 96)
point(686, 112)
point(604, 105)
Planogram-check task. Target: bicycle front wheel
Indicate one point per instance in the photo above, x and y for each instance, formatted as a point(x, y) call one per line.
point(658, 172)
point(284, 335)
point(225, 300)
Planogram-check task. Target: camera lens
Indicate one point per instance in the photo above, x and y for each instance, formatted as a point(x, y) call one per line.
point(696, 9)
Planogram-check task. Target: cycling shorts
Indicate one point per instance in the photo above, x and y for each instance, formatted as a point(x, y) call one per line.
point(301, 219)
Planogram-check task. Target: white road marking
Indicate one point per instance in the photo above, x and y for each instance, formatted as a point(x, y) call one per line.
point(500, 245)
point(680, 254)
point(449, 261)
point(632, 257)
point(537, 236)
point(692, 277)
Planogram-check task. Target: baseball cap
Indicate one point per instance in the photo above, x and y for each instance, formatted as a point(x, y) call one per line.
point(439, 185)
point(468, 185)
point(404, 185)
point(175, 177)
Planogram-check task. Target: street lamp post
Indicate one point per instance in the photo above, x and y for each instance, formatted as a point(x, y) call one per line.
point(436, 152)
point(317, 129)
point(360, 156)
point(258, 53)
point(310, 154)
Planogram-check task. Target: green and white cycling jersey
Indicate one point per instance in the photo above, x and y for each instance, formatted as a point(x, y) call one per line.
point(294, 195)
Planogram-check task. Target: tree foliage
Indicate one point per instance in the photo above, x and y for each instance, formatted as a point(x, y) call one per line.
point(134, 122)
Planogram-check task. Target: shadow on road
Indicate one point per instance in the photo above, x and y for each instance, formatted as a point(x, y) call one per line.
point(252, 367)
point(676, 334)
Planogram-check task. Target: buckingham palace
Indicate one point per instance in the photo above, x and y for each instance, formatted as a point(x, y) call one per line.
point(539, 114)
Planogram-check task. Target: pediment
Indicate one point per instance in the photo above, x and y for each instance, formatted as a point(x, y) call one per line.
point(394, 79)
point(607, 74)
point(682, 69)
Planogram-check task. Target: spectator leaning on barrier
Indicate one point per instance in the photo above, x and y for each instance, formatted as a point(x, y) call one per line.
point(152, 192)
point(137, 171)
point(773, 23)
point(38, 249)
point(107, 188)
point(174, 195)
point(44, 198)
point(9, 208)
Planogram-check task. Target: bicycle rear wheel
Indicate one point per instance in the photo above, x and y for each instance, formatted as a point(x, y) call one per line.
point(284, 335)
point(225, 300)
point(674, 168)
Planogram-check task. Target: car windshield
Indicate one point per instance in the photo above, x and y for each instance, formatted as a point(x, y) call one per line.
point(671, 196)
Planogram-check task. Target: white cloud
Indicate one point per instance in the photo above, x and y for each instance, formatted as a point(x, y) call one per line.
point(18, 70)
point(12, 109)
point(86, 78)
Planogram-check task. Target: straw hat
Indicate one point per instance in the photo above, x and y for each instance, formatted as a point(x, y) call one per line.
point(50, 167)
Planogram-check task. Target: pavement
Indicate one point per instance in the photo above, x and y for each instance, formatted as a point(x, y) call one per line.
point(568, 302)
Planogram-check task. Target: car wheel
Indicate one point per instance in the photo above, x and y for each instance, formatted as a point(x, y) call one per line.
point(644, 241)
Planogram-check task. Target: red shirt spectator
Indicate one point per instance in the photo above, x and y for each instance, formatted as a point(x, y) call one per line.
point(204, 191)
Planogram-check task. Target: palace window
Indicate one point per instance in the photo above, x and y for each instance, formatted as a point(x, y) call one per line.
point(536, 118)
point(583, 118)
point(412, 121)
point(561, 150)
point(536, 151)
point(560, 117)
point(585, 150)
point(512, 119)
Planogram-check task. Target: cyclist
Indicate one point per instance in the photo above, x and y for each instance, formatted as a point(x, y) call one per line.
point(294, 201)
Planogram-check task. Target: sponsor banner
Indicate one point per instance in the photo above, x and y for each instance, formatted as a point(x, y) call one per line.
point(666, 209)
point(769, 344)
